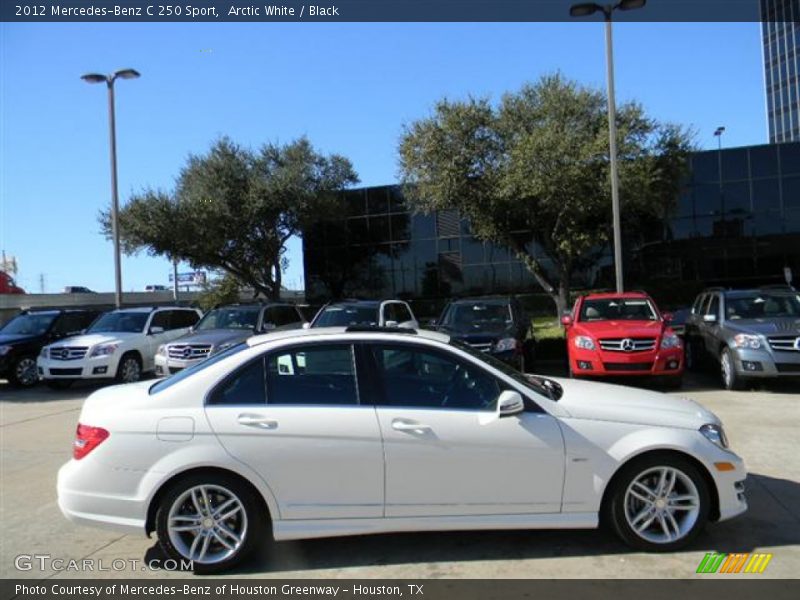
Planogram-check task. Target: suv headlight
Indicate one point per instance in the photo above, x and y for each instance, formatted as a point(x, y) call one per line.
point(505, 345)
point(4, 350)
point(744, 340)
point(162, 350)
point(585, 342)
point(45, 353)
point(715, 434)
point(104, 350)
point(670, 340)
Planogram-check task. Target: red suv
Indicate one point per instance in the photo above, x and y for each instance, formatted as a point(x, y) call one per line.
point(611, 335)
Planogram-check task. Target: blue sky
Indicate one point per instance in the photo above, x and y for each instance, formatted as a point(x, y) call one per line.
point(348, 87)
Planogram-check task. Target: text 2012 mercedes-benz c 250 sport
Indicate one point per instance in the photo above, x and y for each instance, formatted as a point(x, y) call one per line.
point(327, 432)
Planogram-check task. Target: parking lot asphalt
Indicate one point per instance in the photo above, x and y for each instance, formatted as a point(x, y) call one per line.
point(37, 427)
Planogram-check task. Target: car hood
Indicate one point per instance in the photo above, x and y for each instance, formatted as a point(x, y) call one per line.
point(622, 404)
point(92, 339)
point(478, 332)
point(16, 338)
point(215, 337)
point(786, 326)
point(621, 328)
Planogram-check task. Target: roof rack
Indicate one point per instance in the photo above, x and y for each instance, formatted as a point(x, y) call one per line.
point(379, 329)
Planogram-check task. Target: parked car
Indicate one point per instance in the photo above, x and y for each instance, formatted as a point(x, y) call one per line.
point(120, 344)
point(78, 289)
point(155, 288)
point(8, 285)
point(24, 336)
point(749, 334)
point(383, 313)
point(236, 448)
point(498, 326)
point(221, 328)
point(622, 335)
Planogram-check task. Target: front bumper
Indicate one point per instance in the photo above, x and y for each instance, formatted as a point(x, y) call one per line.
point(762, 362)
point(730, 485)
point(165, 365)
point(603, 363)
point(97, 367)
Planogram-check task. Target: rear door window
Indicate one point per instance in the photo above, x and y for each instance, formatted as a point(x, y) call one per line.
point(318, 374)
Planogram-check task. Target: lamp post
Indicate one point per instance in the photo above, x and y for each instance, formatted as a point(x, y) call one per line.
point(718, 134)
point(584, 10)
point(109, 81)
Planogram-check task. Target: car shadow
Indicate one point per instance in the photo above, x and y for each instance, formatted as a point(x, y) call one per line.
point(773, 520)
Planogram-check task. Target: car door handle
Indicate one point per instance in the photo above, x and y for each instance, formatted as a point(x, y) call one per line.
point(412, 426)
point(256, 421)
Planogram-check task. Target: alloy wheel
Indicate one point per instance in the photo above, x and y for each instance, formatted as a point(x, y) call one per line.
point(727, 369)
point(662, 505)
point(25, 371)
point(130, 371)
point(207, 524)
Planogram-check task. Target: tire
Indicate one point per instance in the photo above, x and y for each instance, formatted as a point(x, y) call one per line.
point(23, 372)
point(247, 522)
point(59, 384)
point(727, 368)
point(645, 521)
point(129, 369)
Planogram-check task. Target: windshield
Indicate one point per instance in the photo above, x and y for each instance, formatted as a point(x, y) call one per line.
point(342, 316)
point(168, 382)
point(30, 324)
point(478, 315)
point(762, 306)
point(229, 318)
point(126, 322)
point(541, 385)
point(618, 309)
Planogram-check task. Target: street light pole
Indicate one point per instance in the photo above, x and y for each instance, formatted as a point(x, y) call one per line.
point(109, 81)
point(718, 134)
point(583, 10)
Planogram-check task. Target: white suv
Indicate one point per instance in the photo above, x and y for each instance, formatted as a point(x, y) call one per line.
point(119, 344)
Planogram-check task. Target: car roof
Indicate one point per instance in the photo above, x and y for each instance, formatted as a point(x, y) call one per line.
point(149, 309)
point(367, 303)
point(341, 333)
point(613, 295)
point(485, 300)
point(758, 291)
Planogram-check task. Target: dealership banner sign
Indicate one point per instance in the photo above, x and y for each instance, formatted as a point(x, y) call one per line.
point(382, 10)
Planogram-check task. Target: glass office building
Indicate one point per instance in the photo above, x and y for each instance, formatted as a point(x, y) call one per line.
point(736, 223)
point(780, 32)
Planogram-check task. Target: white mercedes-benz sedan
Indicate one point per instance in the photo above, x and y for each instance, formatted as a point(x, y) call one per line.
point(328, 432)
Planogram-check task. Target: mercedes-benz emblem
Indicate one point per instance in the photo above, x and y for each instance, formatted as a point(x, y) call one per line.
point(627, 344)
point(797, 344)
point(187, 352)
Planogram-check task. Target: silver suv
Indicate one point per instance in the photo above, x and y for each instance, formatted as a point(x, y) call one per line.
point(748, 333)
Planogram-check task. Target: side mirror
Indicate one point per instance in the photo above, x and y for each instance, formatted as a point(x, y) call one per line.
point(566, 320)
point(306, 325)
point(668, 317)
point(509, 403)
point(391, 324)
point(710, 318)
point(156, 329)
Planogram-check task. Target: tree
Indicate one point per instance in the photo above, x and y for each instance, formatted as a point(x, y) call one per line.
point(534, 170)
point(234, 209)
point(225, 290)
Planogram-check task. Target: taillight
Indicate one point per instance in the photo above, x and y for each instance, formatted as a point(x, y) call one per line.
point(87, 439)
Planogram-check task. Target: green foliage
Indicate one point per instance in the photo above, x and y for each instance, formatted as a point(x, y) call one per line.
point(234, 209)
point(225, 290)
point(535, 168)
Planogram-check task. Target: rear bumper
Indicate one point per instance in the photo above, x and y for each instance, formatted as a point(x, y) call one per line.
point(599, 363)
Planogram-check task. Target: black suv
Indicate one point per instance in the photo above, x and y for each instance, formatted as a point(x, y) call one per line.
point(498, 326)
point(24, 336)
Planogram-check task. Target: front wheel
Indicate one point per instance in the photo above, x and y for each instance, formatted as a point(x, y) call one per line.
point(730, 377)
point(129, 369)
point(213, 520)
point(659, 503)
point(24, 373)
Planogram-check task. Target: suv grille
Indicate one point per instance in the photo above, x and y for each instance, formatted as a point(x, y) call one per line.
point(188, 351)
point(628, 344)
point(483, 347)
point(68, 352)
point(784, 343)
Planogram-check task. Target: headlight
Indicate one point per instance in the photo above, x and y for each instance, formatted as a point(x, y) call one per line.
point(4, 350)
point(744, 340)
point(104, 350)
point(670, 340)
point(45, 353)
point(505, 345)
point(584, 342)
point(162, 350)
point(715, 434)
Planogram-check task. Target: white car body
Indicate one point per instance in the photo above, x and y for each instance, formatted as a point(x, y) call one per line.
point(345, 470)
point(77, 357)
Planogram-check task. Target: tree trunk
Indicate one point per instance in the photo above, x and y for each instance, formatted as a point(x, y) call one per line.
point(562, 297)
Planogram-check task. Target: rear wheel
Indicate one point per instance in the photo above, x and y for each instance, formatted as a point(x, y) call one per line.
point(213, 520)
point(24, 373)
point(659, 503)
point(730, 378)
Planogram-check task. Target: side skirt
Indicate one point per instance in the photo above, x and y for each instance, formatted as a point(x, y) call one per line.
point(319, 528)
